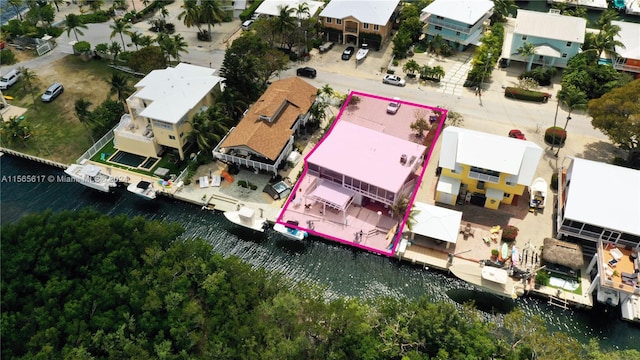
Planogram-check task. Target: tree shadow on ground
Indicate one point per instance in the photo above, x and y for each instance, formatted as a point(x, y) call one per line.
point(600, 151)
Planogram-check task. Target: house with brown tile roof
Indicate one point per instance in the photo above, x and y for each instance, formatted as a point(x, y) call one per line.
point(264, 137)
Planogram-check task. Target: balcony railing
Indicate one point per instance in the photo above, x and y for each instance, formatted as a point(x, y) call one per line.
point(353, 30)
point(484, 177)
point(446, 24)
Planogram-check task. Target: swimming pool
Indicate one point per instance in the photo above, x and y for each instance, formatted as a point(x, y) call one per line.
point(128, 159)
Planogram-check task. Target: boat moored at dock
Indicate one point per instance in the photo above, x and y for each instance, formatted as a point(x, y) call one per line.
point(91, 176)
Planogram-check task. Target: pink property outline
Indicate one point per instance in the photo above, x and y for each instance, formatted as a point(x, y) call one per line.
point(415, 192)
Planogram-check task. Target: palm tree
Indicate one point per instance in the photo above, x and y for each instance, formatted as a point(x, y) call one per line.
point(606, 17)
point(136, 38)
point(605, 39)
point(120, 26)
point(527, 50)
point(301, 10)
point(574, 99)
point(191, 14)
point(16, 4)
point(211, 13)
point(399, 210)
point(146, 40)
point(28, 78)
point(201, 132)
point(284, 21)
point(437, 72)
point(115, 49)
point(14, 130)
point(167, 45)
point(180, 46)
point(56, 3)
point(501, 8)
point(82, 113)
point(411, 67)
point(326, 93)
point(120, 86)
point(74, 22)
point(94, 5)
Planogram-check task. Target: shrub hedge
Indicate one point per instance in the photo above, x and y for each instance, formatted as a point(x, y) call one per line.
point(541, 75)
point(528, 95)
point(555, 136)
point(93, 18)
point(7, 57)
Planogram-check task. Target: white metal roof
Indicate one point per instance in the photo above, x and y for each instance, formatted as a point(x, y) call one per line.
point(629, 35)
point(436, 222)
point(464, 11)
point(377, 12)
point(172, 92)
point(491, 152)
point(272, 7)
point(604, 195)
point(550, 26)
point(448, 185)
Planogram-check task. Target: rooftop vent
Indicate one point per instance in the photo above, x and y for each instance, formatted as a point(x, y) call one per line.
point(403, 159)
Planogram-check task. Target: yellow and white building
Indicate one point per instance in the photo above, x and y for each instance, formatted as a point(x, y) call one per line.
point(484, 169)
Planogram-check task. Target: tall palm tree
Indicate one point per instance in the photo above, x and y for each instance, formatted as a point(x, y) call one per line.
point(57, 3)
point(180, 46)
point(284, 21)
point(136, 38)
point(399, 210)
point(211, 13)
point(120, 26)
point(326, 93)
point(94, 5)
point(28, 78)
point(201, 132)
point(501, 8)
point(574, 99)
point(82, 112)
point(167, 45)
point(606, 17)
point(527, 50)
point(16, 5)
point(14, 130)
point(120, 86)
point(605, 40)
point(190, 14)
point(74, 23)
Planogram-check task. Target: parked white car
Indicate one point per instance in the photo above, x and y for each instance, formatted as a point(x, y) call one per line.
point(393, 106)
point(393, 80)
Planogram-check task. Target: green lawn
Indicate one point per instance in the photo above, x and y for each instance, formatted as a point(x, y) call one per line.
point(56, 132)
point(576, 278)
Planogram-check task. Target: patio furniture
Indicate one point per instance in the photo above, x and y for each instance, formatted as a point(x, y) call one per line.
point(467, 231)
point(161, 171)
point(204, 181)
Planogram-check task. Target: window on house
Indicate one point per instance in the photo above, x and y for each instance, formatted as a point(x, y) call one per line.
point(507, 195)
point(172, 137)
point(327, 20)
point(339, 21)
point(568, 43)
point(439, 17)
point(524, 37)
point(376, 27)
point(365, 25)
point(457, 33)
point(480, 185)
point(439, 28)
point(564, 55)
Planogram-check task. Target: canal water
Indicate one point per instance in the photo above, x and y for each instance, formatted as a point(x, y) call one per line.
point(341, 270)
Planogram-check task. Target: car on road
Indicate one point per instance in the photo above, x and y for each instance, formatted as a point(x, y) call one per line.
point(393, 106)
point(247, 25)
point(52, 92)
point(517, 134)
point(306, 72)
point(348, 53)
point(393, 80)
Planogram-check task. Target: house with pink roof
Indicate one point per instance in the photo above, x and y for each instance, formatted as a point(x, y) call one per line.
point(368, 164)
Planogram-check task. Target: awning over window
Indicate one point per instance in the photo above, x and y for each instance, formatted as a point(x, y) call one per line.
point(448, 185)
point(495, 194)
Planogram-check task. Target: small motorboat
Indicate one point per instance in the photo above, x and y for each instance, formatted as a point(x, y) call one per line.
point(289, 231)
point(538, 191)
point(91, 176)
point(143, 189)
point(245, 216)
point(362, 53)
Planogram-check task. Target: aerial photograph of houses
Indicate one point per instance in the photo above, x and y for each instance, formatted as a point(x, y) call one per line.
point(298, 179)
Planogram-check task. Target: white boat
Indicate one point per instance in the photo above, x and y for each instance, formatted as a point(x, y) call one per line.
point(631, 309)
point(91, 176)
point(538, 191)
point(246, 216)
point(362, 53)
point(144, 189)
point(290, 232)
point(487, 278)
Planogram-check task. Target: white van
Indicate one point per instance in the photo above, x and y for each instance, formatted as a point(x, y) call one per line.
point(9, 79)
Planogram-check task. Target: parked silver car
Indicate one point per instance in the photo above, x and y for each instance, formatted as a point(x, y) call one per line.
point(52, 92)
point(393, 80)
